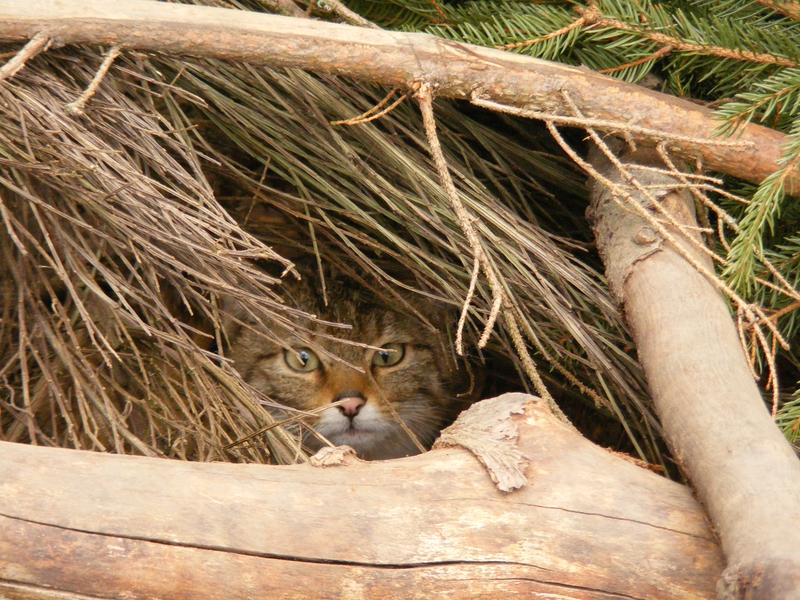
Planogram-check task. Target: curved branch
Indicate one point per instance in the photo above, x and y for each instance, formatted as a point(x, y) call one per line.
point(711, 409)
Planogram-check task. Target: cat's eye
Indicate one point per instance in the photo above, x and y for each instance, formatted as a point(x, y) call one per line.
point(389, 355)
point(301, 359)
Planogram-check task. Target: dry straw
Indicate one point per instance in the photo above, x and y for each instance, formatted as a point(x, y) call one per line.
point(127, 225)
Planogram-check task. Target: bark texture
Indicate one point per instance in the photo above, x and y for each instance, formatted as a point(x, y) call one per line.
point(588, 524)
point(393, 59)
point(713, 415)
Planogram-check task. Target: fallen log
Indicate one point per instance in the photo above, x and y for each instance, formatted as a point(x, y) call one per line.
point(587, 524)
point(453, 70)
point(713, 415)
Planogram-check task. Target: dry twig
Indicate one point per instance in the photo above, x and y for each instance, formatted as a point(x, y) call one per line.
point(466, 221)
point(76, 106)
point(38, 43)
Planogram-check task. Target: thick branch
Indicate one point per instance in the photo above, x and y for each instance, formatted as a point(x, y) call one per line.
point(392, 59)
point(713, 415)
point(588, 524)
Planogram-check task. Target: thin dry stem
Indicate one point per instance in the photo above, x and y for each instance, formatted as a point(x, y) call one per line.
point(620, 192)
point(692, 241)
point(38, 43)
point(577, 23)
point(785, 311)
point(595, 19)
point(787, 8)
point(497, 305)
point(661, 52)
point(284, 7)
point(682, 230)
point(723, 216)
point(371, 114)
point(603, 124)
point(347, 15)
point(465, 220)
point(462, 319)
point(439, 10)
point(287, 421)
point(749, 311)
point(740, 329)
point(77, 106)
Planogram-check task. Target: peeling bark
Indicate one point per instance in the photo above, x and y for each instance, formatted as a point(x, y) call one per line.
point(486, 430)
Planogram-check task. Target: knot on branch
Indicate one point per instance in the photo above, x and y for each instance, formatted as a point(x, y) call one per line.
point(590, 15)
point(776, 578)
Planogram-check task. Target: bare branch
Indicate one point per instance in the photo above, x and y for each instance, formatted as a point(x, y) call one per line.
point(345, 13)
point(395, 59)
point(711, 409)
point(38, 43)
point(76, 107)
point(284, 7)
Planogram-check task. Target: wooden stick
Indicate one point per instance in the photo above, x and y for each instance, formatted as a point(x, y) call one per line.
point(393, 59)
point(587, 524)
point(713, 415)
point(38, 43)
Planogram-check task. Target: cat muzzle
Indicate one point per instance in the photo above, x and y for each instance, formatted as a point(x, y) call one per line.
point(351, 403)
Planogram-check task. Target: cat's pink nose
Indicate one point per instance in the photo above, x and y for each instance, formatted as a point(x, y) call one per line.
point(350, 405)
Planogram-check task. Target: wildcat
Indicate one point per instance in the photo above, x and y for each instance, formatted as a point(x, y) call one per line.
point(405, 375)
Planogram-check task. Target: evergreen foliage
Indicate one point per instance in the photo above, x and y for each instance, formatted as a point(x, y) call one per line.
point(740, 56)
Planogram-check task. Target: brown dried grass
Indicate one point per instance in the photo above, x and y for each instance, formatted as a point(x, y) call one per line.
point(120, 237)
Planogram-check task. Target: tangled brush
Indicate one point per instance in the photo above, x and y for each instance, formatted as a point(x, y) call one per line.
point(184, 181)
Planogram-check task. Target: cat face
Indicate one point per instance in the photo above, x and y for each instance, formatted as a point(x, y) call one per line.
point(402, 376)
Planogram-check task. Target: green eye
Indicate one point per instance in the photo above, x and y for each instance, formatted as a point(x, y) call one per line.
point(389, 355)
point(301, 359)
